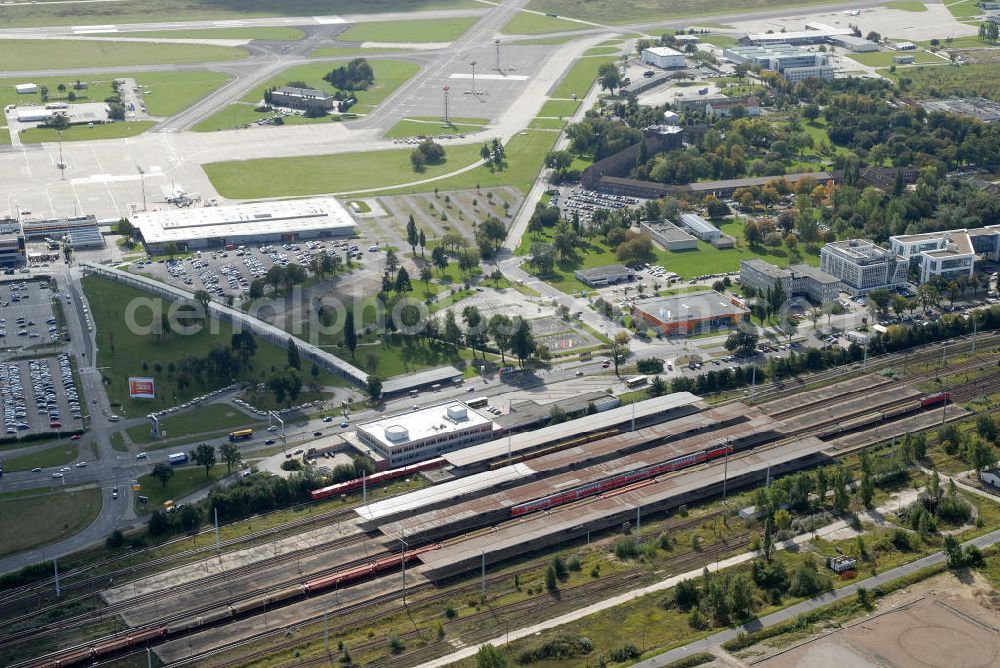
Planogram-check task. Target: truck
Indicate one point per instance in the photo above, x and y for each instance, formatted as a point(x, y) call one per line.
point(177, 458)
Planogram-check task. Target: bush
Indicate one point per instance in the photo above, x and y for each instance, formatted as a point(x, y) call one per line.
point(450, 612)
point(625, 653)
point(561, 647)
point(626, 548)
point(573, 564)
point(650, 365)
point(115, 540)
point(291, 465)
point(396, 646)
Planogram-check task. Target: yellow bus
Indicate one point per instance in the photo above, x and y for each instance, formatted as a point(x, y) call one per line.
point(241, 435)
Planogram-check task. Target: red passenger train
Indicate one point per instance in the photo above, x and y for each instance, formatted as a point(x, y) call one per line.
point(620, 480)
point(929, 400)
point(376, 479)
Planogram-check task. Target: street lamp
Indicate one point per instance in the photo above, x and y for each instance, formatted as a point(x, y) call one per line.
point(473, 63)
point(497, 42)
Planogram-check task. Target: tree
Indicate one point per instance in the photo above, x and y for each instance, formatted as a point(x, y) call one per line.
point(163, 472)
point(203, 298)
point(810, 112)
point(742, 343)
point(475, 329)
point(403, 281)
point(522, 341)
point(439, 258)
point(293, 354)
point(551, 581)
point(493, 230)
point(204, 455)
point(986, 427)
point(230, 455)
point(619, 348)
point(59, 121)
point(609, 77)
point(981, 455)
point(880, 298)
point(412, 236)
point(374, 387)
point(489, 656)
point(928, 294)
point(953, 550)
point(350, 333)
point(500, 328)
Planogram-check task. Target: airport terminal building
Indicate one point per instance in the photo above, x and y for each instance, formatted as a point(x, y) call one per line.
point(240, 224)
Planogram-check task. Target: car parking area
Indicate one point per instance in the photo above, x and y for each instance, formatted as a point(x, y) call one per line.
point(39, 395)
point(228, 273)
point(585, 202)
point(26, 316)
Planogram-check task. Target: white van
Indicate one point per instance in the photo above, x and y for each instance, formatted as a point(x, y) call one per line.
point(114, 418)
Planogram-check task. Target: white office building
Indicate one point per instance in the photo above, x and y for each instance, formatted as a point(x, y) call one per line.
point(412, 437)
point(947, 254)
point(862, 266)
point(663, 57)
point(791, 62)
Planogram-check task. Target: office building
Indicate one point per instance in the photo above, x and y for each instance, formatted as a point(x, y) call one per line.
point(12, 251)
point(798, 280)
point(412, 437)
point(663, 57)
point(947, 255)
point(262, 222)
point(691, 313)
point(793, 63)
point(862, 266)
point(81, 232)
point(814, 33)
point(853, 43)
point(302, 98)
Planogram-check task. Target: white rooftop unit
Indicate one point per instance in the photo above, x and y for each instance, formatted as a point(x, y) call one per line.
point(26, 88)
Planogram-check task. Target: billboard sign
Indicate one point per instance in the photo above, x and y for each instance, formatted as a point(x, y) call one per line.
point(141, 388)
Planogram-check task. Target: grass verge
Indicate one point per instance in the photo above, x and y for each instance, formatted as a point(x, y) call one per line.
point(47, 54)
point(27, 523)
point(435, 30)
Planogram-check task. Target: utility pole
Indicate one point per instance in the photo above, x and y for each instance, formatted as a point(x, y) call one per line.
point(55, 566)
point(497, 42)
point(974, 324)
point(402, 561)
point(482, 588)
point(62, 163)
point(446, 121)
point(725, 472)
point(473, 63)
point(509, 436)
point(142, 181)
point(638, 519)
point(218, 547)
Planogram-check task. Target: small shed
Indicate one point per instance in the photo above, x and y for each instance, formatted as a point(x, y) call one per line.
point(26, 88)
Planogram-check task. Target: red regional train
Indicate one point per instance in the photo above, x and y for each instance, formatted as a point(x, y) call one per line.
point(376, 478)
point(620, 480)
point(929, 400)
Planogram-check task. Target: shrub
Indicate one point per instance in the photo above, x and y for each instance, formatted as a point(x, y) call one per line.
point(560, 648)
point(396, 646)
point(626, 548)
point(625, 653)
point(573, 564)
point(450, 612)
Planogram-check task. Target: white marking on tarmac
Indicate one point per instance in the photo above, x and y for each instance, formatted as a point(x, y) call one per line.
point(104, 28)
point(329, 20)
point(91, 31)
point(490, 77)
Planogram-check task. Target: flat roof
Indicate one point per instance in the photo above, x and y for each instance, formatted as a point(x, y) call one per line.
point(663, 51)
point(607, 271)
point(244, 220)
point(397, 431)
point(765, 268)
point(696, 222)
point(963, 244)
point(757, 181)
point(419, 379)
point(668, 230)
point(815, 273)
point(700, 305)
point(523, 413)
point(582, 425)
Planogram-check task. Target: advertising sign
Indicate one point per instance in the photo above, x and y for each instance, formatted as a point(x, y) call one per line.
point(141, 388)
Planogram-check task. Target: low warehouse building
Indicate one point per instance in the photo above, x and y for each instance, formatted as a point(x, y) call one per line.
point(663, 57)
point(668, 235)
point(411, 437)
point(691, 313)
point(596, 277)
point(26, 88)
point(262, 222)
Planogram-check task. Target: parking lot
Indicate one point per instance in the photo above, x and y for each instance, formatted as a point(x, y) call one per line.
point(585, 202)
point(228, 273)
point(26, 316)
point(39, 395)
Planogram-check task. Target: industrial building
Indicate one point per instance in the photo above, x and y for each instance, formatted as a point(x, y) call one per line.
point(815, 33)
point(262, 222)
point(597, 277)
point(793, 63)
point(863, 266)
point(698, 226)
point(691, 313)
point(663, 57)
point(668, 236)
point(79, 231)
point(853, 43)
point(411, 437)
point(948, 254)
point(302, 98)
point(982, 108)
point(725, 108)
point(12, 251)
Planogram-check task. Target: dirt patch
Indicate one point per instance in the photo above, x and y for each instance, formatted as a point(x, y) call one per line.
point(943, 622)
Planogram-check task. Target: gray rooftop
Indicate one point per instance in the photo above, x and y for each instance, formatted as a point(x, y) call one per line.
point(765, 268)
point(814, 273)
point(699, 305)
point(607, 271)
point(410, 381)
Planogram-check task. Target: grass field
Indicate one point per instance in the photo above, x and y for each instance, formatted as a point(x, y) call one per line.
point(636, 11)
point(342, 172)
point(213, 417)
point(59, 455)
point(31, 522)
point(547, 124)
point(547, 41)
point(965, 81)
point(526, 23)
point(276, 34)
point(525, 154)
point(35, 54)
point(436, 30)
point(964, 42)
point(907, 5)
point(559, 108)
point(124, 351)
point(83, 133)
point(602, 51)
point(884, 58)
point(580, 77)
point(333, 51)
point(142, 11)
point(963, 9)
point(722, 41)
point(187, 479)
point(389, 75)
point(414, 128)
point(241, 114)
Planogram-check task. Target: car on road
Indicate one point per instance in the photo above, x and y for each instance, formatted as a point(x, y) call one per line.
point(269, 441)
point(36, 470)
point(75, 437)
point(141, 455)
point(328, 419)
point(579, 373)
point(605, 365)
point(114, 493)
point(469, 388)
point(65, 469)
point(317, 433)
point(297, 452)
point(343, 424)
point(273, 427)
point(57, 475)
point(81, 465)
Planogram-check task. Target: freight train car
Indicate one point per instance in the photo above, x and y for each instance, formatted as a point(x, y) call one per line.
point(102, 648)
point(621, 480)
point(375, 479)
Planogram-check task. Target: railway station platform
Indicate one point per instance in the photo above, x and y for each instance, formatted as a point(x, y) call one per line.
point(819, 396)
point(867, 402)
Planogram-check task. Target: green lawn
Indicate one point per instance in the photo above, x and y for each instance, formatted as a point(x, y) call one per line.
point(963, 9)
point(527, 23)
point(143, 11)
point(968, 80)
point(580, 77)
point(115, 130)
point(4, 134)
point(413, 128)
point(187, 479)
point(907, 5)
point(722, 41)
point(559, 108)
point(277, 34)
point(27, 523)
point(526, 153)
point(213, 417)
point(37, 54)
point(884, 58)
point(602, 51)
point(59, 455)
point(334, 51)
point(706, 259)
point(547, 41)
point(389, 75)
point(548, 124)
point(242, 114)
point(124, 351)
point(434, 30)
point(343, 172)
point(964, 42)
point(640, 11)
point(170, 92)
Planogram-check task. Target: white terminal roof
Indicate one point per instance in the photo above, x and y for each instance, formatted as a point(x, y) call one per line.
point(664, 51)
point(397, 431)
point(244, 220)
